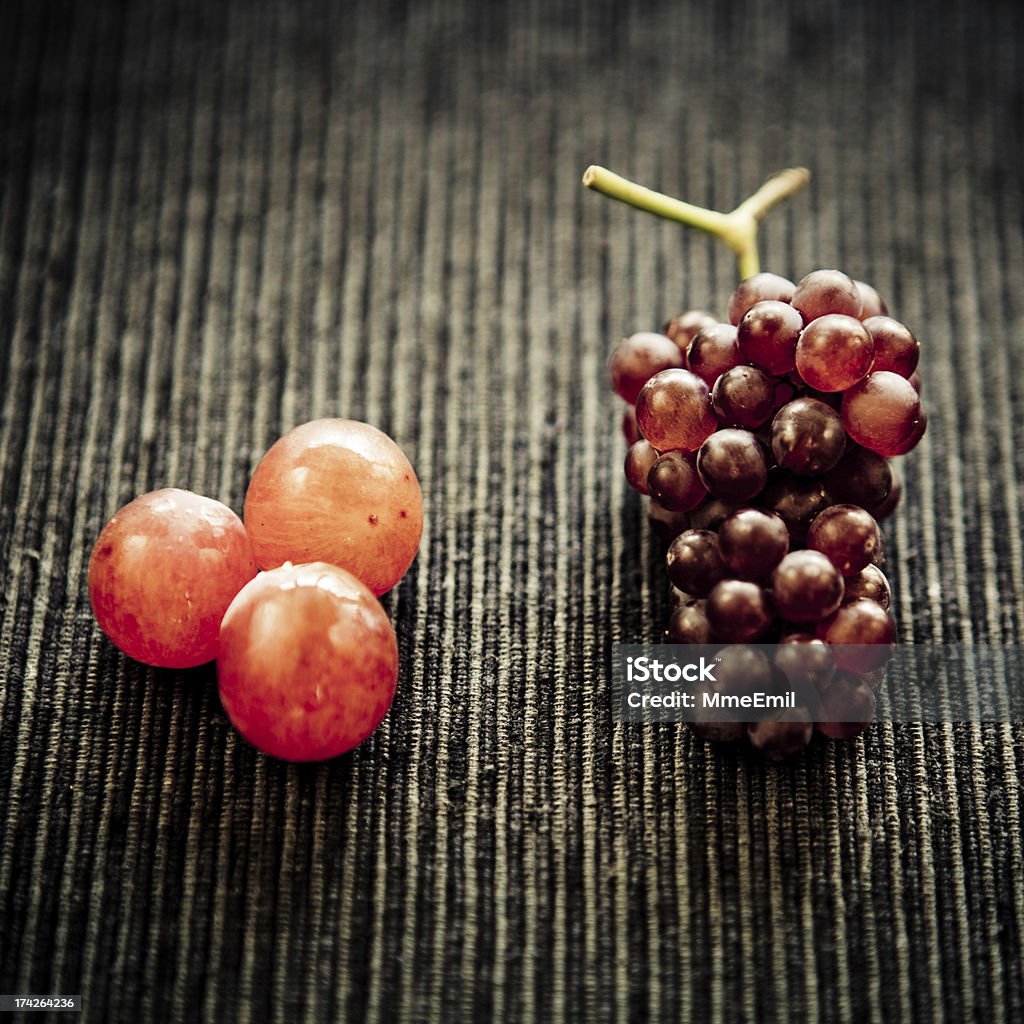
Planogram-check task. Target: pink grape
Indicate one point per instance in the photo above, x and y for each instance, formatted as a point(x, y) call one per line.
point(673, 411)
point(834, 352)
point(881, 411)
point(827, 291)
point(763, 287)
point(336, 491)
point(638, 358)
point(307, 662)
point(163, 572)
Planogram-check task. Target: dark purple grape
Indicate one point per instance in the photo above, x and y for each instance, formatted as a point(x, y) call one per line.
point(629, 428)
point(694, 562)
point(752, 542)
point(741, 669)
point(743, 397)
point(683, 327)
point(666, 524)
point(860, 477)
point(639, 459)
point(712, 351)
point(738, 611)
point(806, 586)
point(759, 288)
point(872, 304)
point(862, 635)
point(732, 465)
point(638, 358)
point(827, 291)
point(767, 336)
point(673, 411)
point(847, 707)
point(805, 660)
point(834, 352)
point(779, 740)
point(896, 349)
point(807, 437)
point(710, 513)
point(798, 500)
point(871, 583)
point(689, 625)
point(673, 482)
point(886, 508)
point(847, 536)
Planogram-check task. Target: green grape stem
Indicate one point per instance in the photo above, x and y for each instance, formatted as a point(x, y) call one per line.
point(737, 229)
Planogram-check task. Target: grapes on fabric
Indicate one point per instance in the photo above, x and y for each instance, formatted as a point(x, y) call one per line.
point(769, 454)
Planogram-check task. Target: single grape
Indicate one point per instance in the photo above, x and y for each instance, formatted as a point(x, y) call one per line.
point(689, 625)
point(847, 707)
point(759, 288)
point(673, 411)
point(307, 662)
point(805, 660)
point(896, 349)
point(638, 358)
point(336, 491)
point(639, 459)
point(163, 572)
point(806, 586)
point(826, 291)
point(860, 477)
point(741, 669)
point(683, 327)
point(862, 635)
point(743, 396)
point(739, 611)
point(732, 465)
point(752, 542)
point(872, 304)
point(881, 411)
point(834, 352)
point(767, 336)
point(694, 562)
point(847, 536)
point(785, 391)
point(871, 583)
point(708, 515)
point(807, 437)
point(779, 740)
point(885, 508)
point(915, 380)
point(798, 500)
point(712, 351)
point(674, 484)
point(629, 428)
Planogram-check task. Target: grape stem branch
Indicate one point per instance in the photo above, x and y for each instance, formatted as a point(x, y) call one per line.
point(737, 229)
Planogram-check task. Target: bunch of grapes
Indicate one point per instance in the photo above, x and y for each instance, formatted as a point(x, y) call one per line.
point(764, 444)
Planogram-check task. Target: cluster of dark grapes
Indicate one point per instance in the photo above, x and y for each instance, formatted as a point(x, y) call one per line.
point(764, 444)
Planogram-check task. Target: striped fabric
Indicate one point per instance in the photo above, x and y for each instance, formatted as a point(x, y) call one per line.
point(218, 220)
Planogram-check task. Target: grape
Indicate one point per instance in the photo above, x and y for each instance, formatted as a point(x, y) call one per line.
point(682, 328)
point(759, 288)
point(741, 669)
point(872, 304)
point(336, 491)
point(915, 380)
point(709, 514)
point(805, 660)
point(743, 397)
point(827, 291)
point(909, 443)
point(307, 662)
point(834, 352)
point(694, 562)
point(767, 336)
point(785, 391)
point(712, 351)
point(862, 635)
point(779, 740)
point(798, 500)
point(664, 523)
point(847, 707)
point(639, 459)
point(638, 358)
point(732, 465)
point(674, 484)
point(163, 572)
point(629, 428)
point(871, 583)
point(738, 611)
point(807, 437)
point(673, 411)
point(884, 509)
point(881, 411)
point(896, 349)
point(752, 542)
point(806, 586)
point(860, 477)
point(847, 536)
point(689, 625)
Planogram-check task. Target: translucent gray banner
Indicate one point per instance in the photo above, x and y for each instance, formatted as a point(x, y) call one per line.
point(771, 682)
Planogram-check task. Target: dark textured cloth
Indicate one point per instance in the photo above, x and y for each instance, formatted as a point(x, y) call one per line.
point(218, 220)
